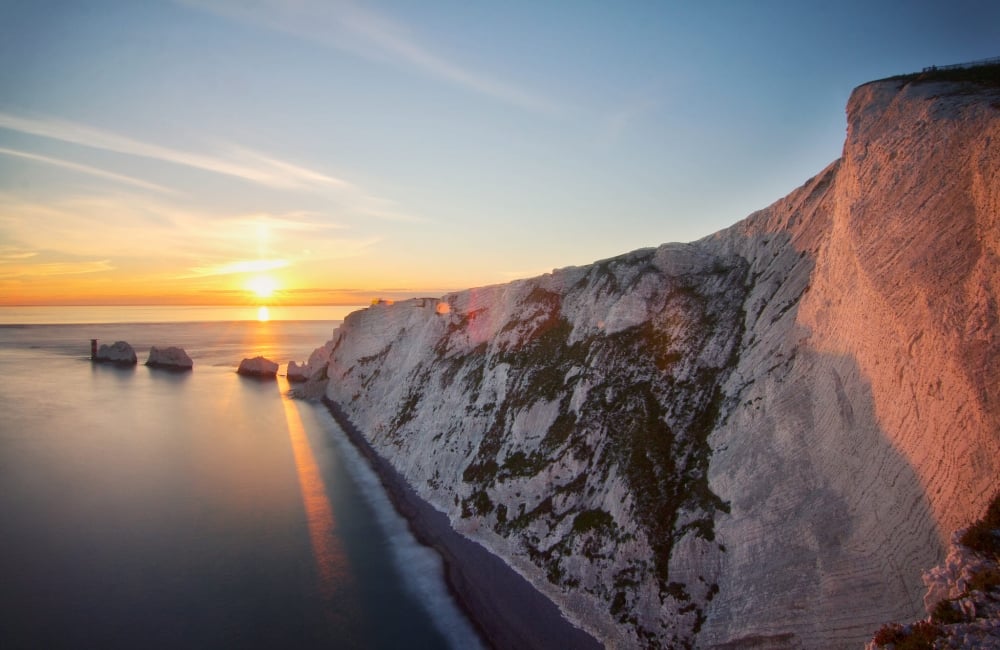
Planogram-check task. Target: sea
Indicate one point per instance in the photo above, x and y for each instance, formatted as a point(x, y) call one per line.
point(146, 508)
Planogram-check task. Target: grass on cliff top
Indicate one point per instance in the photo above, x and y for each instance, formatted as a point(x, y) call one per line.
point(983, 75)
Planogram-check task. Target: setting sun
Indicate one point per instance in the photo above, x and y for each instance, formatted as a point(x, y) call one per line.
point(262, 286)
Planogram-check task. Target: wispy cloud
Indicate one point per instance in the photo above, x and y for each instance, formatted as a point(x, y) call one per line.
point(236, 162)
point(364, 296)
point(46, 269)
point(255, 168)
point(300, 221)
point(126, 226)
point(242, 266)
point(85, 169)
point(348, 26)
point(10, 254)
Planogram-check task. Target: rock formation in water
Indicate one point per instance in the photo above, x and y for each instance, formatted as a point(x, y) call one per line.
point(258, 367)
point(171, 358)
point(297, 373)
point(313, 370)
point(119, 353)
point(758, 439)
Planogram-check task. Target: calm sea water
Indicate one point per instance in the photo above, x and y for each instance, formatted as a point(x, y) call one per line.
point(145, 508)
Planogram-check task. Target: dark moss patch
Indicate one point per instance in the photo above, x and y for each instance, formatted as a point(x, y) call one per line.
point(592, 520)
point(377, 357)
point(478, 503)
point(618, 603)
point(560, 431)
point(521, 465)
point(656, 425)
point(639, 403)
point(521, 521)
point(408, 409)
point(481, 473)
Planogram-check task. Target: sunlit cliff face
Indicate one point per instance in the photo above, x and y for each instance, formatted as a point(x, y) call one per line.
point(910, 281)
point(840, 346)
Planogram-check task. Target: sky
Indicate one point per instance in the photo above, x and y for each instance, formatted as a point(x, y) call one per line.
point(326, 152)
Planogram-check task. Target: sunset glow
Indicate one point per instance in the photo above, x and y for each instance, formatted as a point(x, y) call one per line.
point(262, 286)
point(269, 154)
point(329, 557)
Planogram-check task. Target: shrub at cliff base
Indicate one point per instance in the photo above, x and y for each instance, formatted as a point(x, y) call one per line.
point(982, 535)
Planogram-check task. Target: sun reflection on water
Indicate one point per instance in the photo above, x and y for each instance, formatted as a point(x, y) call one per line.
point(331, 562)
point(263, 314)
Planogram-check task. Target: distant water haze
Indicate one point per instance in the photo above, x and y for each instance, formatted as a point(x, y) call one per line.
point(37, 315)
point(147, 508)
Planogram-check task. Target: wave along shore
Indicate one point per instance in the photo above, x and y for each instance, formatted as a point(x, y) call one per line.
point(506, 609)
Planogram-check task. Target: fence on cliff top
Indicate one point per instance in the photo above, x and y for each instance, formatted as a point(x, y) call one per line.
point(969, 64)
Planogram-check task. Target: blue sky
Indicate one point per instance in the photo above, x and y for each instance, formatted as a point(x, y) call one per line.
point(162, 150)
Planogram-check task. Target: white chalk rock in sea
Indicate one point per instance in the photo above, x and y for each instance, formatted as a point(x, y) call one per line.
point(172, 357)
point(258, 367)
point(118, 352)
point(297, 373)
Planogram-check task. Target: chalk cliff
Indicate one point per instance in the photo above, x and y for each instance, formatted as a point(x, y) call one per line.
point(758, 439)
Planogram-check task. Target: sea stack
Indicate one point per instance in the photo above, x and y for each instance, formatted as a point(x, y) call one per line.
point(171, 358)
point(119, 353)
point(258, 367)
point(297, 373)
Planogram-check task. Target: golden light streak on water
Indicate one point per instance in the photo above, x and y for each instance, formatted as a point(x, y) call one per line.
point(331, 562)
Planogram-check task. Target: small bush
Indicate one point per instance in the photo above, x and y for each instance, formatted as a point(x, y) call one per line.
point(889, 633)
point(992, 517)
point(946, 613)
point(985, 580)
point(982, 535)
point(919, 637)
point(981, 539)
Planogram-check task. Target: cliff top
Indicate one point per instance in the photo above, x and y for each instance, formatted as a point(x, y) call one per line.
point(985, 72)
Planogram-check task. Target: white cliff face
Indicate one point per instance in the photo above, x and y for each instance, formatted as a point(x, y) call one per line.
point(563, 422)
point(848, 466)
point(758, 438)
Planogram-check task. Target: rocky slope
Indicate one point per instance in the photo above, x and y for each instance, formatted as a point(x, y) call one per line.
point(754, 440)
point(963, 595)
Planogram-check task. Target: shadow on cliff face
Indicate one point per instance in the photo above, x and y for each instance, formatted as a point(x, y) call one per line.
point(577, 444)
point(829, 526)
point(658, 440)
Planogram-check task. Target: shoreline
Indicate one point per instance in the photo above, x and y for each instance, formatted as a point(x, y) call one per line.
point(505, 609)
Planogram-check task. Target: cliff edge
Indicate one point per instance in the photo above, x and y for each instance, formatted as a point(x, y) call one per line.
point(758, 439)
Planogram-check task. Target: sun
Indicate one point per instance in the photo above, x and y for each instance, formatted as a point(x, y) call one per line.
point(262, 286)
